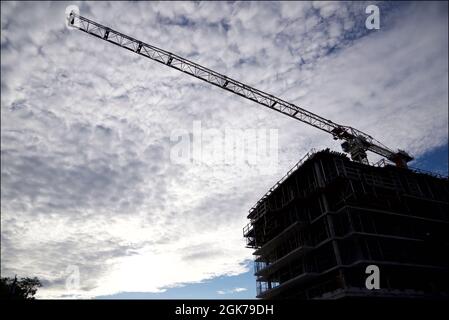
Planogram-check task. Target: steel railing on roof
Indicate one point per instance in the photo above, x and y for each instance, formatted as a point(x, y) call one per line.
point(288, 174)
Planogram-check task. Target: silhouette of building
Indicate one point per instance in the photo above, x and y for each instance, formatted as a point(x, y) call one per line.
point(316, 231)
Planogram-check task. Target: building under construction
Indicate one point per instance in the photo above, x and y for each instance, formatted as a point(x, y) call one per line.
point(317, 230)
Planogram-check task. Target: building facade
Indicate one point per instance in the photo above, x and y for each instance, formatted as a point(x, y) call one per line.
point(316, 231)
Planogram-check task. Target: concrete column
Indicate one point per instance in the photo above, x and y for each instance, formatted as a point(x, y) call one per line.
point(328, 216)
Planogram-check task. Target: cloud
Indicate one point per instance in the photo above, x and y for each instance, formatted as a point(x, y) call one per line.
point(231, 291)
point(86, 174)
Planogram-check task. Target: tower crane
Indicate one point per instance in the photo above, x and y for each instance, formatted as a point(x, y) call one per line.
point(355, 142)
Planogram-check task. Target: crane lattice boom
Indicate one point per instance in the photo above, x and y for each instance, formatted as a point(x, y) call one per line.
point(356, 142)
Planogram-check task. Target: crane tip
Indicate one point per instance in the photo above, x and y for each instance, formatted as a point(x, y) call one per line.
point(69, 17)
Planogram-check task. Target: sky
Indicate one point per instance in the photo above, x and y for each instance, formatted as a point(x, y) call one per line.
point(102, 191)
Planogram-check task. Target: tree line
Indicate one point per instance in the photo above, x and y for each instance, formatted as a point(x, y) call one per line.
point(19, 289)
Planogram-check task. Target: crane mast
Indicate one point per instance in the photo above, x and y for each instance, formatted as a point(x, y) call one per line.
point(355, 142)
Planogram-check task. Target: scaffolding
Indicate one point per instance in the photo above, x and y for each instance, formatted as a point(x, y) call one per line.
point(317, 229)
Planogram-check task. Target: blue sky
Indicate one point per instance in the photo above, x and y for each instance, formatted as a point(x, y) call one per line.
point(223, 287)
point(434, 161)
point(94, 199)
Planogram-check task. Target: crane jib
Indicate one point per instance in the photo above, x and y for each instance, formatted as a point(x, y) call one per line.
point(356, 141)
